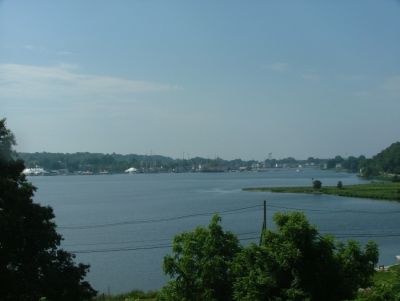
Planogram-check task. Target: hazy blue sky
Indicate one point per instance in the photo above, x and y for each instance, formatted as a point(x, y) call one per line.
point(227, 78)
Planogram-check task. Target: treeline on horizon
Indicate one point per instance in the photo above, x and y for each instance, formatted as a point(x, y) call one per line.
point(117, 163)
point(386, 163)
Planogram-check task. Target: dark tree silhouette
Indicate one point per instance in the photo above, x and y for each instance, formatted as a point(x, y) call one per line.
point(31, 263)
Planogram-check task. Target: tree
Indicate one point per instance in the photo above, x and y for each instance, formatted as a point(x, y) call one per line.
point(31, 263)
point(339, 185)
point(296, 263)
point(317, 184)
point(369, 169)
point(200, 265)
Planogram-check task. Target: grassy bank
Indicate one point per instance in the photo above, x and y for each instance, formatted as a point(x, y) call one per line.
point(383, 191)
point(390, 276)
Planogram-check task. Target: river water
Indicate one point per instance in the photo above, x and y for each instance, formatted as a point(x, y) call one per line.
point(123, 225)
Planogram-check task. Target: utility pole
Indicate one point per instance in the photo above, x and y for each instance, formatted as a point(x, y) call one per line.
point(264, 225)
point(265, 216)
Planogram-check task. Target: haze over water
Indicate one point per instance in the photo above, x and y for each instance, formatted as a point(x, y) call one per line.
point(92, 205)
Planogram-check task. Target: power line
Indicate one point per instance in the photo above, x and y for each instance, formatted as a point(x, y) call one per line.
point(225, 212)
point(147, 221)
point(110, 250)
point(161, 245)
point(336, 235)
point(164, 246)
point(367, 235)
point(117, 242)
point(121, 249)
point(137, 241)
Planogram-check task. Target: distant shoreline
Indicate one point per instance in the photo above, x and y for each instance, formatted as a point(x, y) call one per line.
point(377, 191)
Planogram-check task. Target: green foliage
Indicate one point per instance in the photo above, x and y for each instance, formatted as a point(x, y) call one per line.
point(353, 164)
point(386, 162)
point(200, 265)
point(370, 169)
point(293, 263)
point(296, 263)
point(31, 264)
point(333, 162)
point(339, 185)
point(317, 184)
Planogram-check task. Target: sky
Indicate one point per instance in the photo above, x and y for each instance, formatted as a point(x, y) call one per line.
point(233, 79)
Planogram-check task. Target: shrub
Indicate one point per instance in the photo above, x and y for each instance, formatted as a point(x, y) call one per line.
point(317, 184)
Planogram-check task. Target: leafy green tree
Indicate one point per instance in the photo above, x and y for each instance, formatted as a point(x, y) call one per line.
point(339, 185)
point(200, 265)
point(31, 263)
point(296, 263)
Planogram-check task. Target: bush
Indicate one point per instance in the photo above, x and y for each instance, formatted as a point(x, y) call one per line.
point(381, 292)
point(317, 184)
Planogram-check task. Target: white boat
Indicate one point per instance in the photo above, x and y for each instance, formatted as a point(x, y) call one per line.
point(35, 171)
point(131, 170)
point(398, 257)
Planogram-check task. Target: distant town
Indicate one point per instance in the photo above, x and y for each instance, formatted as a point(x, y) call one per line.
point(101, 164)
point(384, 165)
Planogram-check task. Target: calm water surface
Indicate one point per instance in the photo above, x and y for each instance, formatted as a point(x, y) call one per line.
point(100, 214)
